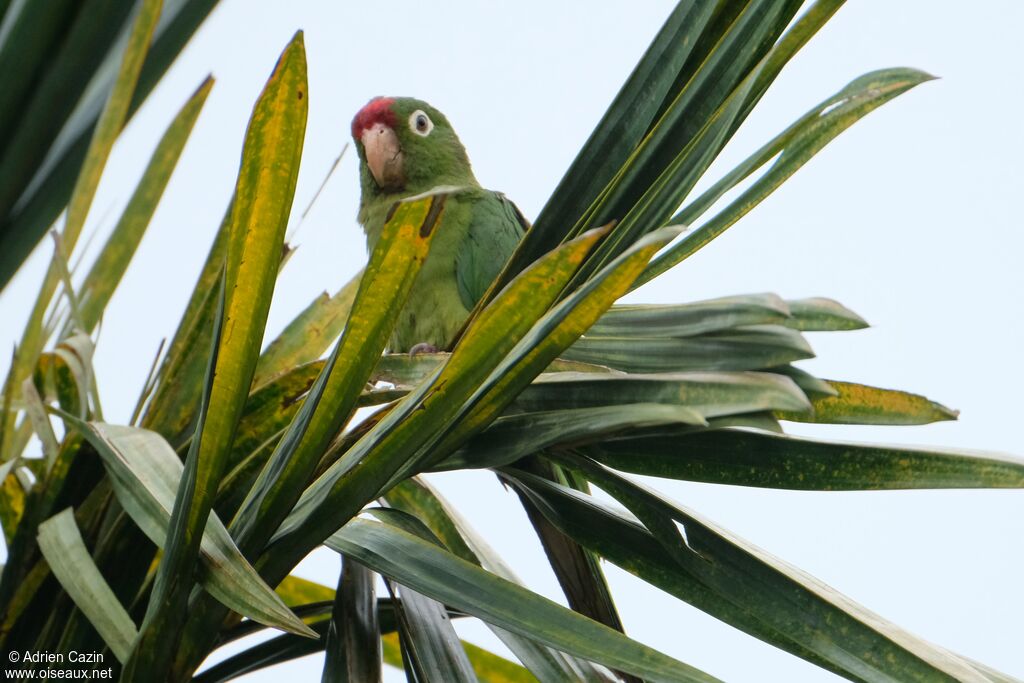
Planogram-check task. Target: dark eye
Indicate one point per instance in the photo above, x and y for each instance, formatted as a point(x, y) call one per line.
point(420, 123)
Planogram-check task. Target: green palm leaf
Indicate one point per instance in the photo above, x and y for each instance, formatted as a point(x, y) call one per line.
point(551, 384)
point(707, 566)
point(751, 458)
point(432, 571)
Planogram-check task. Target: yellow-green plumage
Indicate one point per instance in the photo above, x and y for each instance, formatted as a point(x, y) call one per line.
point(478, 231)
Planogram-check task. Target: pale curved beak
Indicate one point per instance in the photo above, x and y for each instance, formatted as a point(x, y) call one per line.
point(384, 156)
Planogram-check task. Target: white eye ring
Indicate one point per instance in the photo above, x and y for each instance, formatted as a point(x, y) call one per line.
point(420, 123)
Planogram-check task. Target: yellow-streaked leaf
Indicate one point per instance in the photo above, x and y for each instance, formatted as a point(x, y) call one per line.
point(350, 483)
point(400, 252)
point(263, 200)
point(553, 334)
point(862, 404)
point(112, 262)
point(295, 591)
point(753, 457)
point(309, 334)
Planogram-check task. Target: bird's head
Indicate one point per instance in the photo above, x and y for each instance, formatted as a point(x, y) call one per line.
point(406, 146)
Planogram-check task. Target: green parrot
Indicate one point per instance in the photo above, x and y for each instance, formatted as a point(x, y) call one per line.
point(407, 148)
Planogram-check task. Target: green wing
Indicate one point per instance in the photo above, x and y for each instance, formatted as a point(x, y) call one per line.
point(495, 228)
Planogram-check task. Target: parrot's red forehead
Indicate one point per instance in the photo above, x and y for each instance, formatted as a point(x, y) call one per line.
point(377, 110)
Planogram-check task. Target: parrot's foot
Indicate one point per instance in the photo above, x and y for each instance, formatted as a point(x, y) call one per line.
point(423, 347)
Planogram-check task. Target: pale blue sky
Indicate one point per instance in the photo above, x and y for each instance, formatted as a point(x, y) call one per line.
point(911, 218)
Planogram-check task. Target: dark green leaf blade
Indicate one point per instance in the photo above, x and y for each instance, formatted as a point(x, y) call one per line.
point(739, 583)
point(110, 121)
point(754, 458)
point(791, 150)
point(711, 394)
point(443, 576)
point(623, 126)
point(431, 644)
point(353, 648)
point(39, 207)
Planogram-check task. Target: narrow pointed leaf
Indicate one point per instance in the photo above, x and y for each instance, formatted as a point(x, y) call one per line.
point(750, 458)
point(168, 601)
point(263, 199)
point(61, 544)
point(629, 117)
point(577, 569)
point(510, 438)
point(112, 262)
point(108, 126)
point(262, 203)
point(791, 150)
point(741, 584)
point(687, 320)
point(796, 36)
point(696, 126)
point(417, 497)
point(699, 117)
point(745, 348)
point(821, 314)
point(711, 394)
point(81, 74)
point(862, 404)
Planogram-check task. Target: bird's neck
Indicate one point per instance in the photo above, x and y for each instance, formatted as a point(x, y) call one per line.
point(374, 204)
